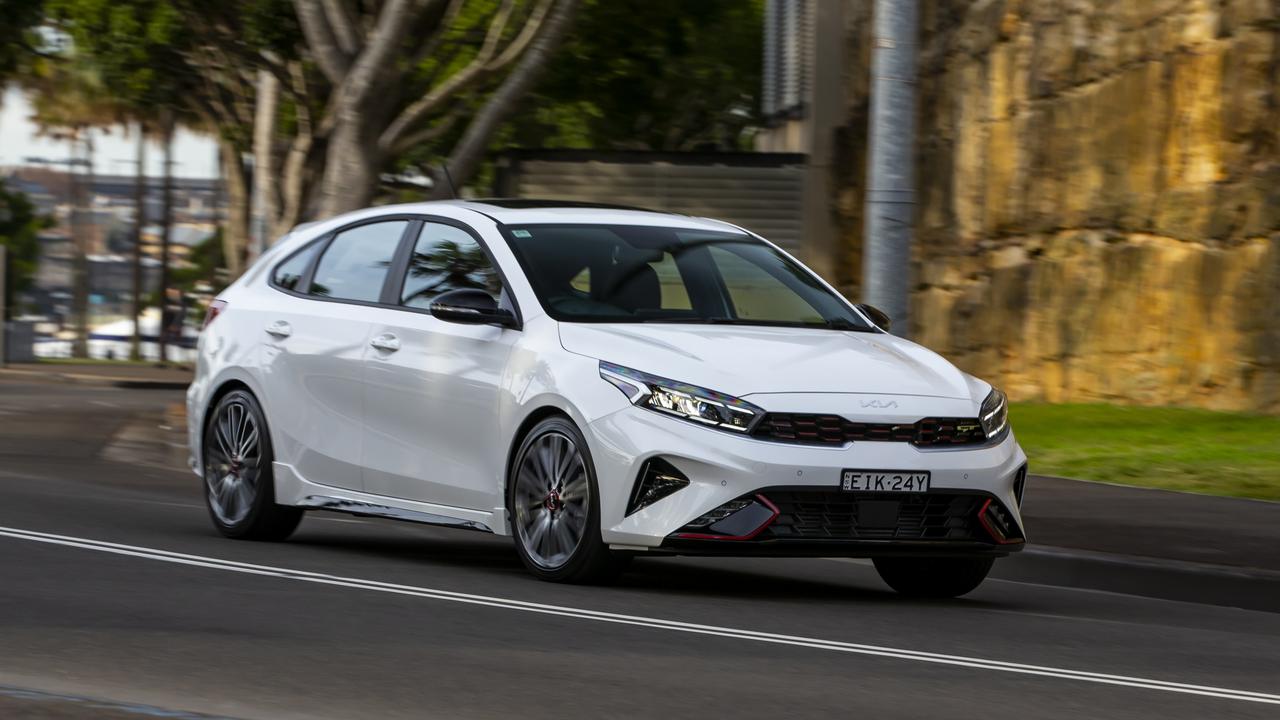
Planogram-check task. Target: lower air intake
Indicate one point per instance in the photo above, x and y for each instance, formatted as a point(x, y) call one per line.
point(833, 514)
point(658, 479)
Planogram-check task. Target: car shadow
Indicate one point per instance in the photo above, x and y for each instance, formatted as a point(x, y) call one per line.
point(704, 578)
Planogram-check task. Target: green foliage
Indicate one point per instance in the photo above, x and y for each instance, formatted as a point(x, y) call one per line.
point(156, 55)
point(17, 18)
point(135, 45)
point(1174, 448)
point(651, 75)
point(205, 260)
point(634, 75)
point(19, 231)
point(69, 95)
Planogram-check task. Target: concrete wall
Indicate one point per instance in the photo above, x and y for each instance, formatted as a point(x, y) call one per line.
point(1099, 209)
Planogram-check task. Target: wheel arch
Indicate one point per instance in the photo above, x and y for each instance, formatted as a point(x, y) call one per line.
point(225, 385)
point(535, 416)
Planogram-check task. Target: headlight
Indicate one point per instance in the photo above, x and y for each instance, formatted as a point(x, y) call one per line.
point(994, 414)
point(700, 405)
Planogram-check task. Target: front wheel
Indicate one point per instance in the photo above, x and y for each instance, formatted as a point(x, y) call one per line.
point(933, 577)
point(238, 484)
point(555, 507)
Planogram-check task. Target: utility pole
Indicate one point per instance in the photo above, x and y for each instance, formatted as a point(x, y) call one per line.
point(890, 200)
point(139, 221)
point(166, 222)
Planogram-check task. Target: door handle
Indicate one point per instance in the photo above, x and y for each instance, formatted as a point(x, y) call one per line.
point(386, 341)
point(280, 329)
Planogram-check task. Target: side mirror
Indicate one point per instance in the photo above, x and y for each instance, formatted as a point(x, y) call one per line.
point(876, 315)
point(471, 307)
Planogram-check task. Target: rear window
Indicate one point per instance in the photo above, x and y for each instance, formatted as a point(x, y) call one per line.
point(355, 265)
point(289, 273)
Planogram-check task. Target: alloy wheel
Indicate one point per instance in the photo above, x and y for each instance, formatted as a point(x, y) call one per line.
point(233, 463)
point(552, 500)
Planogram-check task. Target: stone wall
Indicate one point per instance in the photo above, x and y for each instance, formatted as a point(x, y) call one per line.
point(1099, 189)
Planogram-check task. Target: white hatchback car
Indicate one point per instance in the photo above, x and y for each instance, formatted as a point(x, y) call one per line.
point(600, 383)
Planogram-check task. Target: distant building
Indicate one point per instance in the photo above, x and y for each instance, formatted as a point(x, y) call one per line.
point(105, 228)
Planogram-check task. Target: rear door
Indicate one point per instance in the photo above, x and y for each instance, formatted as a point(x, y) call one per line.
point(433, 388)
point(315, 340)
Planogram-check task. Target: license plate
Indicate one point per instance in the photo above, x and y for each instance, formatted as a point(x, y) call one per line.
point(885, 481)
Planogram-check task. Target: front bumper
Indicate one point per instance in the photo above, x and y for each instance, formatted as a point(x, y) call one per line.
point(722, 467)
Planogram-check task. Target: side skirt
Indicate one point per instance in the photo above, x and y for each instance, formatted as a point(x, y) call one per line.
point(293, 489)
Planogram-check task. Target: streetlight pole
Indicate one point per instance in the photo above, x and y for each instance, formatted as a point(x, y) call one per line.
point(890, 200)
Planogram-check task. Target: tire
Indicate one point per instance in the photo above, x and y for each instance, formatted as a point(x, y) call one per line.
point(239, 487)
point(556, 529)
point(933, 577)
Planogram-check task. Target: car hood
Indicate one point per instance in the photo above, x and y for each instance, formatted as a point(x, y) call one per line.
point(742, 360)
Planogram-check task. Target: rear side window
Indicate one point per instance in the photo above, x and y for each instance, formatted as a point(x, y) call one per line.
point(355, 264)
point(289, 273)
point(446, 258)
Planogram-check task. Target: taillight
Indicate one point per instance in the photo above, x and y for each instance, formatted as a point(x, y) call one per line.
point(215, 309)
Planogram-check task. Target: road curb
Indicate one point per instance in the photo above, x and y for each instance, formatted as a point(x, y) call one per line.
point(93, 380)
point(1228, 586)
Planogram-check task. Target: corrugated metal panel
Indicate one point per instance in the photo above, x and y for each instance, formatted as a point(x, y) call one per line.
point(766, 200)
point(788, 52)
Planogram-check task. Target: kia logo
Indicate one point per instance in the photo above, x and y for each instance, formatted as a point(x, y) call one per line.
point(881, 404)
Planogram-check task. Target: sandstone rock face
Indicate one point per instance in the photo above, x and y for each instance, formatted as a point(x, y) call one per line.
point(1099, 199)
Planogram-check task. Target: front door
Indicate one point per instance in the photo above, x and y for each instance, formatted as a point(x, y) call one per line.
point(433, 389)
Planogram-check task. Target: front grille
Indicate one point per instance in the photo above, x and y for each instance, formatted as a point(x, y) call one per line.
point(811, 429)
point(826, 514)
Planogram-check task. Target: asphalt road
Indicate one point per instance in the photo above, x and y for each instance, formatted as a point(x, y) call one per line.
point(118, 600)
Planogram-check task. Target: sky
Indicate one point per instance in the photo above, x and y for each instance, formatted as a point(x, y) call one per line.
point(194, 155)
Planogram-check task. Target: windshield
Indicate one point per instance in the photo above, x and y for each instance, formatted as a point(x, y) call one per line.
point(629, 273)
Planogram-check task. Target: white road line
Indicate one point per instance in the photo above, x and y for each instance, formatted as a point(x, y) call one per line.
point(637, 620)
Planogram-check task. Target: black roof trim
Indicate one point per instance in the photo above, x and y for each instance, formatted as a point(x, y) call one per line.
point(538, 204)
point(737, 159)
point(733, 159)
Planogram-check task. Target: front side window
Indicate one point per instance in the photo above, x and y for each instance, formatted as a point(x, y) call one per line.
point(630, 273)
point(354, 266)
point(446, 258)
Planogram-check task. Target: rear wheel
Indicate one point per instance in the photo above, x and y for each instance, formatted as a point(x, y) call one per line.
point(239, 488)
point(933, 577)
point(555, 507)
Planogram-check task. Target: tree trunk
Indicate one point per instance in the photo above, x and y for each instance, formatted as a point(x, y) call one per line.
point(80, 228)
point(139, 221)
point(361, 58)
point(235, 229)
point(467, 155)
point(351, 167)
point(265, 186)
point(166, 222)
